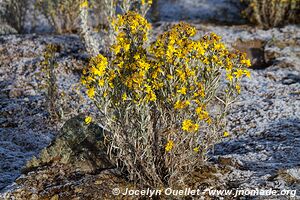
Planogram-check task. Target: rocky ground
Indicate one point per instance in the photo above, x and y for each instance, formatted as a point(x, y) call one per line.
point(264, 150)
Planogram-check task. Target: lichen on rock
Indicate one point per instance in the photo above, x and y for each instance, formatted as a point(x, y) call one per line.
point(78, 145)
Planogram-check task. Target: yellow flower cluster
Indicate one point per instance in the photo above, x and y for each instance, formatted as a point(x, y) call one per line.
point(149, 2)
point(179, 59)
point(88, 120)
point(169, 146)
point(129, 65)
point(96, 71)
point(189, 126)
point(132, 23)
point(84, 4)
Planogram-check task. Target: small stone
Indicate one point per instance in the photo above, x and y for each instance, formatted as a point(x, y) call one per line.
point(34, 197)
point(15, 93)
point(55, 197)
point(230, 161)
point(30, 92)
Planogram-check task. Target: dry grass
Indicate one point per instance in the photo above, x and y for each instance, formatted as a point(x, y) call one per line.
point(272, 13)
point(13, 13)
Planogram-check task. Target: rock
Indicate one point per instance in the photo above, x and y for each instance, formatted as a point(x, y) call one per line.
point(78, 145)
point(254, 50)
point(15, 93)
point(30, 92)
point(291, 79)
point(230, 161)
point(291, 176)
point(6, 29)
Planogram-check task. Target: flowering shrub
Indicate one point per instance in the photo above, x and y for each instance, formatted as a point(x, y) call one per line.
point(272, 13)
point(165, 103)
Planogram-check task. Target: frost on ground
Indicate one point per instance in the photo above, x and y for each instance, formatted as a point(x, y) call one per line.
point(264, 123)
point(24, 127)
point(268, 113)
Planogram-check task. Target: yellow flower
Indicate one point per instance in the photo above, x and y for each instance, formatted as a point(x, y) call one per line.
point(83, 81)
point(189, 126)
point(203, 115)
point(247, 73)
point(229, 77)
point(215, 58)
point(215, 37)
point(208, 120)
point(111, 85)
point(101, 82)
point(178, 105)
point(239, 73)
point(143, 65)
point(181, 104)
point(181, 74)
point(170, 76)
point(199, 48)
point(219, 46)
point(124, 96)
point(196, 127)
point(246, 62)
point(199, 110)
point(169, 146)
point(196, 149)
point(182, 90)
point(99, 71)
point(186, 124)
point(200, 92)
point(205, 61)
point(88, 120)
point(84, 4)
point(238, 89)
point(187, 103)
point(90, 79)
point(116, 49)
point(225, 134)
point(91, 92)
point(127, 47)
point(152, 96)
